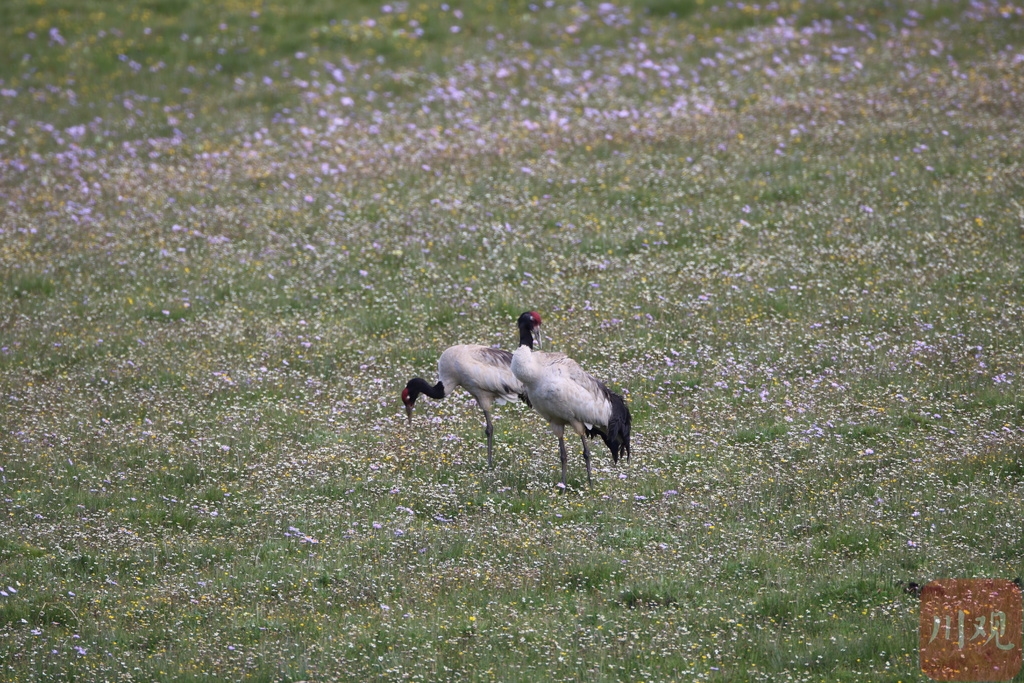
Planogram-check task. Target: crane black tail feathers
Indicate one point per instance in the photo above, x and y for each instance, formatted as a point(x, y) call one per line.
point(616, 436)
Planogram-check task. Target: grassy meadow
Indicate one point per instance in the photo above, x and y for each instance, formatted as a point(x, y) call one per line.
point(790, 233)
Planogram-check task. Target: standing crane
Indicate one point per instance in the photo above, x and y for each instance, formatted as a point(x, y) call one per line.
point(565, 395)
point(483, 371)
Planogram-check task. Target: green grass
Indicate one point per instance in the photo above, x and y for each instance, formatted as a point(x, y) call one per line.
point(232, 232)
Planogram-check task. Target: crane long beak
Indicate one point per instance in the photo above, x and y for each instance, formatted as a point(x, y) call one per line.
point(408, 413)
point(537, 337)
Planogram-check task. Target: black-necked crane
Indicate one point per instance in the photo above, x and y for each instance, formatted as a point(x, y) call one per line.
point(483, 371)
point(565, 395)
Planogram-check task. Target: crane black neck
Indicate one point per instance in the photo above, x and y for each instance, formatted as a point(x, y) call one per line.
point(526, 334)
point(418, 385)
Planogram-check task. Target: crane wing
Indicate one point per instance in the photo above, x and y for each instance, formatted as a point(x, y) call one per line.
point(480, 370)
point(573, 392)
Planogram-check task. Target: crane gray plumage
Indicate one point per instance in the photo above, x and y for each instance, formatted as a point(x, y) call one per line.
point(565, 395)
point(483, 371)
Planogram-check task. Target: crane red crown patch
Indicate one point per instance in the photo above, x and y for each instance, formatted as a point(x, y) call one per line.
point(971, 630)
